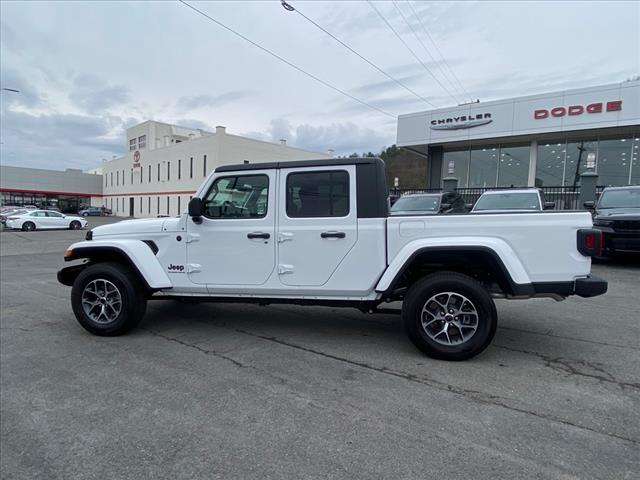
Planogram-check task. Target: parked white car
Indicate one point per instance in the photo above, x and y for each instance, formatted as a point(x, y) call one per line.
point(512, 201)
point(45, 219)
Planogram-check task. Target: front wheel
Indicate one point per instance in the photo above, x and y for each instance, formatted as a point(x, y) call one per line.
point(85, 214)
point(107, 299)
point(449, 316)
point(75, 225)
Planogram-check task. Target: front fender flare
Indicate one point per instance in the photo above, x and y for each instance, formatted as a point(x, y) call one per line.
point(498, 248)
point(136, 252)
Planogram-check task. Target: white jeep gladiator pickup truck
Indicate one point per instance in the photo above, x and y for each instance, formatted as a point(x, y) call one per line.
point(318, 232)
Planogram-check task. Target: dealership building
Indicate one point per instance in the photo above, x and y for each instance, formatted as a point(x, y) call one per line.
point(165, 164)
point(538, 140)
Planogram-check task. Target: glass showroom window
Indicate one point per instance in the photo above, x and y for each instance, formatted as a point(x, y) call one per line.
point(513, 167)
point(614, 160)
point(576, 159)
point(459, 161)
point(483, 171)
point(635, 161)
point(550, 166)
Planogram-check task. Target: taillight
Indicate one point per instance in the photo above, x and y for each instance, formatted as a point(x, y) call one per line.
point(590, 242)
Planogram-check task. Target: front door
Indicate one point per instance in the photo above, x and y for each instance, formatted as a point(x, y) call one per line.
point(319, 223)
point(235, 242)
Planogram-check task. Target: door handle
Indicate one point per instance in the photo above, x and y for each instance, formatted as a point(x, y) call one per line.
point(258, 235)
point(333, 235)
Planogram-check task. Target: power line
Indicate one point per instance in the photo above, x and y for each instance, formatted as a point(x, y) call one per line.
point(266, 50)
point(424, 47)
point(438, 50)
point(410, 50)
point(292, 9)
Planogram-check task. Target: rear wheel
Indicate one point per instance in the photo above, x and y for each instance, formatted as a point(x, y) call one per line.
point(75, 225)
point(107, 299)
point(85, 214)
point(28, 226)
point(449, 316)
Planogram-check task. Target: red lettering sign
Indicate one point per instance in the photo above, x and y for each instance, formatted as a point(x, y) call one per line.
point(597, 107)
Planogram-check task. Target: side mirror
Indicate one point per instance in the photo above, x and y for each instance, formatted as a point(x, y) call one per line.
point(590, 204)
point(445, 206)
point(549, 205)
point(196, 209)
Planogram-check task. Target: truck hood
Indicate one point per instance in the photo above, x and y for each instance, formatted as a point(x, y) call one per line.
point(618, 213)
point(142, 225)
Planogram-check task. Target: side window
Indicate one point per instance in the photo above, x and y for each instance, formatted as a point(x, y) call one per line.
point(243, 196)
point(38, 214)
point(54, 214)
point(318, 194)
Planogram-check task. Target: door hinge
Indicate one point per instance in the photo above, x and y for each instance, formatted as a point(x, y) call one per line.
point(194, 268)
point(192, 237)
point(284, 236)
point(284, 269)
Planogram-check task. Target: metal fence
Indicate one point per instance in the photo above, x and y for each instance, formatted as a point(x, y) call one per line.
point(565, 197)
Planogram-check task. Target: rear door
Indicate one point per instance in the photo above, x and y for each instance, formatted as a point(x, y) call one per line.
point(318, 222)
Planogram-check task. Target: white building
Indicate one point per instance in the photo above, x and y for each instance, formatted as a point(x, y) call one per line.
point(543, 140)
point(166, 163)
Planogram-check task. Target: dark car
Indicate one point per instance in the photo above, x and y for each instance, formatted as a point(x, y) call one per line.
point(95, 212)
point(429, 204)
point(617, 216)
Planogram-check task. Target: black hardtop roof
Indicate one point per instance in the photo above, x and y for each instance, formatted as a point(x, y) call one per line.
point(325, 162)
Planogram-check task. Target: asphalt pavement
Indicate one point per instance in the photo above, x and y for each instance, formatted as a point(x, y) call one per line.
point(242, 391)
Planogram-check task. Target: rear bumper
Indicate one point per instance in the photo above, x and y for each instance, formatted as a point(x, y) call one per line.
point(583, 287)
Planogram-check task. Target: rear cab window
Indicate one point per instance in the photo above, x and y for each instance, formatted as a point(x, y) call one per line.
point(317, 194)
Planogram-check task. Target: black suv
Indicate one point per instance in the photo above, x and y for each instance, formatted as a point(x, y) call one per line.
point(617, 215)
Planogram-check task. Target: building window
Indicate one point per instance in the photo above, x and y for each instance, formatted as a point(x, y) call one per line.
point(149, 205)
point(191, 167)
point(140, 204)
point(158, 172)
point(483, 171)
point(179, 168)
point(179, 205)
point(123, 183)
point(168, 171)
point(149, 173)
point(106, 180)
point(318, 194)
point(132, 144)
point(576, 159)
point(513, 167)
point(112, 179)
point(204, 167)
point(132, 176)
point(615, 164)
point(158, 205)
point(458, 162)
point(118, 178)
point(168, 204)
point(142, 142)
point(634, 174)
point(550, 165)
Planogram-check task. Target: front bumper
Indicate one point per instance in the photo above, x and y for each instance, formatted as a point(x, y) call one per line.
point(617, 241)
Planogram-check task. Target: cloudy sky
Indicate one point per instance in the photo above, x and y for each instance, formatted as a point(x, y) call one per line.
point(86, 71)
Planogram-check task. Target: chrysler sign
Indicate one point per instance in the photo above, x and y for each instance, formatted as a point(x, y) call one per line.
point(572, 110)
point(463, 121)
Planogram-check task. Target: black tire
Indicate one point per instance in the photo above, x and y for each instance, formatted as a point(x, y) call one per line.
point(75, 225)
point(28, 226)
point(461, 285)
point(132, 293)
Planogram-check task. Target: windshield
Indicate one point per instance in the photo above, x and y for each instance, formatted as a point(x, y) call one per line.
point(508, 201)
point(620, 199)
point(417, 203)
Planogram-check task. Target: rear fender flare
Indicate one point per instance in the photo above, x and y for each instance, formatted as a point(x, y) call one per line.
point(503, 253)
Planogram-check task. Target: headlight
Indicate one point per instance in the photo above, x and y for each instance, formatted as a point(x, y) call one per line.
point(602, 223)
